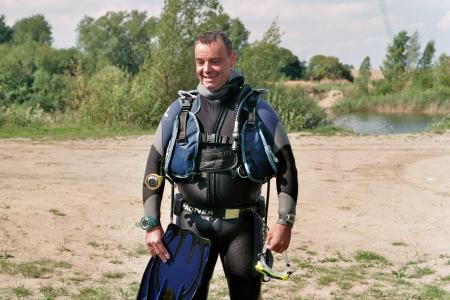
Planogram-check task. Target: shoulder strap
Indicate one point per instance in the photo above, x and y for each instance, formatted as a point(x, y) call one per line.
point(252, 100)
point(186, 99)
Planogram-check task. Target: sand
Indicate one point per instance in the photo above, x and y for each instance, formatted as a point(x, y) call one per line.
point(78, 201)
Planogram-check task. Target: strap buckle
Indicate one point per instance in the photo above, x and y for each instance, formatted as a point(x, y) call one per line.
point(232, 213)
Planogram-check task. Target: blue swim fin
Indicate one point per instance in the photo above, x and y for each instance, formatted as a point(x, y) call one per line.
point(180, 277)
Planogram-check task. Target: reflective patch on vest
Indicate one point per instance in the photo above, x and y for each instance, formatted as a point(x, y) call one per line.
point(259, 165)
point(181, 155)
point(217, 159)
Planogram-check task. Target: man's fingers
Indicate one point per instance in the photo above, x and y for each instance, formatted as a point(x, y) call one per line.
point(150, 251)
point(161, 251)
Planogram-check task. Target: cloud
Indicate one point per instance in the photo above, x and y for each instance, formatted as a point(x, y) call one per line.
point(64, 15)
point(444, 23)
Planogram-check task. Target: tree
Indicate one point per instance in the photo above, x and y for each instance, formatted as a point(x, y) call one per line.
point(32, 29)
point(261, 61)
point(15, 79)
point(233, 28)
point(238, 34)
point(107, 97)
point(122, 39)
point(412, 51)
point(49, 91)
point(427, 56)
point(293, 68)
point(443, 70)
point(363, 79)
point(321, 66)
point(5, 31)
point(396, 61)
point(170, 65)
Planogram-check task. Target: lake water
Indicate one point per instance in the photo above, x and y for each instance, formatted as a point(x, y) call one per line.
point(374, 123)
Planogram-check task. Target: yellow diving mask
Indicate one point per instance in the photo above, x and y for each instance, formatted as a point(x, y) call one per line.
point(265, 266)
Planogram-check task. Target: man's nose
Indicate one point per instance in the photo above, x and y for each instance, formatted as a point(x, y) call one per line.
point(207, 67)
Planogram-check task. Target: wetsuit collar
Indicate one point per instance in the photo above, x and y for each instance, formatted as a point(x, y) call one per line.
point(234, 82)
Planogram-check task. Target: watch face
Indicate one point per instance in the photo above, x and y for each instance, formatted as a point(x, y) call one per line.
point(148, 223)
point(145, 223)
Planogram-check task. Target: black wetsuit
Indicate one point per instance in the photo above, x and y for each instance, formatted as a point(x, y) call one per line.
point(237, 241)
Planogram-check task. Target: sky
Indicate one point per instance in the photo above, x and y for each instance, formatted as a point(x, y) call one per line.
point(347, 29)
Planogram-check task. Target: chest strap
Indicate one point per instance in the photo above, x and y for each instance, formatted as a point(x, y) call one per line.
point(214, 138)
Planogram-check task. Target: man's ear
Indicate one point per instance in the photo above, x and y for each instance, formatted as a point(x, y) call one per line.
point(233, 58)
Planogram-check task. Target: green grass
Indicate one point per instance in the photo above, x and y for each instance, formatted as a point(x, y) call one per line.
point(431, 291)
point(93, 244)
point(331, 259)
point(116, 262)
point(93, 293)
point(436, 101)
point(328, 130)
point(70, 133)
point(370, 257)
point(49, 292)
point(32, 269)
point(137, 251)
point(421, 272)
point(78, 277)
point(56, 212)
point(130, 292)
point(21, 291)
point(344, 277)
point(441, 125)
point(365, 275)
point(325, 280)
point(399, 244)
point(114, 275)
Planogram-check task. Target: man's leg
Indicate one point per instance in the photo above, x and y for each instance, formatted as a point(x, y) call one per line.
point(239, 261)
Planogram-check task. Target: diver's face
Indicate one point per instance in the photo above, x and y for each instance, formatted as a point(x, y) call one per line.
point(213, 64)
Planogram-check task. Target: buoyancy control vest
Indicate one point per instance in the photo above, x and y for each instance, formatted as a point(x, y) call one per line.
point(249, 151)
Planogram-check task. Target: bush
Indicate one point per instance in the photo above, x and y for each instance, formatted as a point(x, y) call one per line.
point(442, 71)
point(106, 99)
point(435, 100)
point(296, 110)
point(14, 80)
point(21, 116)
point(50, 91)
point(328, 67)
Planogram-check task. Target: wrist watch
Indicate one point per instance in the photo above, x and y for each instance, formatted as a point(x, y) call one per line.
point(147, 223)
point(289, 218)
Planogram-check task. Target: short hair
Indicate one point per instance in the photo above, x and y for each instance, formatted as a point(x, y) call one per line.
point(209, 37)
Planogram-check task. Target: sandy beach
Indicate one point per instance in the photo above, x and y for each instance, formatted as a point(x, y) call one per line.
point(72, 206)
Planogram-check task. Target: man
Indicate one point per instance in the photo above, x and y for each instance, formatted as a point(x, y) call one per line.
point(216, 190)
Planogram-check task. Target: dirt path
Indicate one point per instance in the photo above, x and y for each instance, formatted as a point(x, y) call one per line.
point(73, 206)
point(330, 99)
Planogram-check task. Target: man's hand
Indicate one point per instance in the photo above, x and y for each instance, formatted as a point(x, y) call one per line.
point(155, 246)
point(278, 238)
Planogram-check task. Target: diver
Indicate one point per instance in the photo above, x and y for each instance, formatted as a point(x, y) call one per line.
point(219, 144)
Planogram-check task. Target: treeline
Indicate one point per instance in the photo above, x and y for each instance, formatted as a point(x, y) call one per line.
point(414, 81)
point(127, 67)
